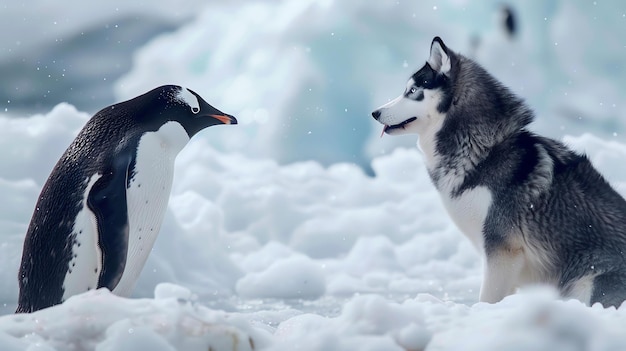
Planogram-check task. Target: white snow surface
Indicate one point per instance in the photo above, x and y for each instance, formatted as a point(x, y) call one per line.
point(253, 254)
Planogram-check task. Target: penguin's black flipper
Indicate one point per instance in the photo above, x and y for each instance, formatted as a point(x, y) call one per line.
point(107, 200)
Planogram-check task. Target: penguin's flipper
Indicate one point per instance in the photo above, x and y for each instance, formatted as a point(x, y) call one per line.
point(107, 200)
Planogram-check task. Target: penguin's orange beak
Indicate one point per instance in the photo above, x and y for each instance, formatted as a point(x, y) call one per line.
point(225, 119)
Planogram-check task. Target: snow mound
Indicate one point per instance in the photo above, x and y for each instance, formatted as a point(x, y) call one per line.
point(99, 320)
point(289, 256)
point(297, 277)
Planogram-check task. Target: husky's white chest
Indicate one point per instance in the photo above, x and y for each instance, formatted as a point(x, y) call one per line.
point(469, 212)
point(147, 196)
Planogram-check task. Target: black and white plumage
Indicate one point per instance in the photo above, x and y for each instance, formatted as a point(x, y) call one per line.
point(100, 211)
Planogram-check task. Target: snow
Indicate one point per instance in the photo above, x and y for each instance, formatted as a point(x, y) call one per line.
point(296, 277)
point(99, 320)
point(300, 228)
point(290, 256)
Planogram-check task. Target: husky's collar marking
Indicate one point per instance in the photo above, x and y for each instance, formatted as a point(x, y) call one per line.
point(538, 212)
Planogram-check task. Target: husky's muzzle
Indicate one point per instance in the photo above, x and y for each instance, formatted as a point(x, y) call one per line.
point(387, 128)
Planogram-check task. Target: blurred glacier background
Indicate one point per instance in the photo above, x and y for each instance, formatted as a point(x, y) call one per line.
point(303, 76)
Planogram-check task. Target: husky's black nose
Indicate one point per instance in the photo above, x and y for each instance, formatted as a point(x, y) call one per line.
point(376, 114)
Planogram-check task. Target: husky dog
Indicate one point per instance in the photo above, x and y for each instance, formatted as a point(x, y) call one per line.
point(539, 212)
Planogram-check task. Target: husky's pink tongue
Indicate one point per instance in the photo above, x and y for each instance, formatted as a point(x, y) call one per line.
point(383, 132)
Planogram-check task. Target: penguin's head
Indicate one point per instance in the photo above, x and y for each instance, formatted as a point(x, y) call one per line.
point(185, 106)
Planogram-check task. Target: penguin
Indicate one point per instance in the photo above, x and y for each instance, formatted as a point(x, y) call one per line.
point(509, 20)
point(99, 212)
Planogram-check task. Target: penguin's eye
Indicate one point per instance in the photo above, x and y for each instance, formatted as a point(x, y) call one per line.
point(195, 109)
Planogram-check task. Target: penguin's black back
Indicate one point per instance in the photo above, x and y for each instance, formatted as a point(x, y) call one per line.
point(49, 241)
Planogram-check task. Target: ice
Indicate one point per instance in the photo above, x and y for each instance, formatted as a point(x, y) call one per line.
point(303, 78)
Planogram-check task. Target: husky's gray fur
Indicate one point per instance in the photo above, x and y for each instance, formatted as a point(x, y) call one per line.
point(539, 213)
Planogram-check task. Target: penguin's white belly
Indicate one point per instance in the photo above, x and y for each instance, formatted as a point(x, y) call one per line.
point(86, 262)
point(147, 197)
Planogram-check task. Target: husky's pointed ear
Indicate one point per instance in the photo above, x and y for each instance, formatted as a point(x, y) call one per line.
point(439, 57)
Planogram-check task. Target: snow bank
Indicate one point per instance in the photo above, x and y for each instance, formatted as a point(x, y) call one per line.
point(99, 320)
point(297, 255)
point(290, 278)
point(531, 320)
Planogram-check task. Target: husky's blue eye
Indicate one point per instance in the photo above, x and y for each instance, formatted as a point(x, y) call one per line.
point(413, 90)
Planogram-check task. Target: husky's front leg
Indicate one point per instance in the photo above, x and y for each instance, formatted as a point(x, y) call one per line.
point(502, 271)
